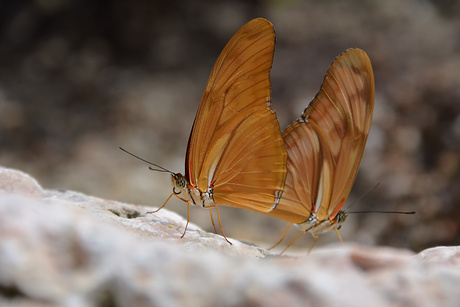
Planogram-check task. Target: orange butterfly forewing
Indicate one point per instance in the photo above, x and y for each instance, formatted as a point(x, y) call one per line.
point(235, 154)
point(326, 144)
point(235, 147)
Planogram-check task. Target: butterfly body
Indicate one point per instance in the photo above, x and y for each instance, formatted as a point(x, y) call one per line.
point(235, 154)
point(315, 226)
point(325, 146)
point(192, 194)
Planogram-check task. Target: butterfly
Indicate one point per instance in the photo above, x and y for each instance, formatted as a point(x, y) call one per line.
point(235, 154)
point(325, 146)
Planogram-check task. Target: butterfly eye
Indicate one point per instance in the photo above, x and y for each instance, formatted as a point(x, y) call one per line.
point(341, 216)
point(179, 181)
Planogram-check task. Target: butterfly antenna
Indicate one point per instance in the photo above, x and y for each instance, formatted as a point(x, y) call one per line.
point(378, 211)
point(374, 211)
point(160, 168)
point(362, 196)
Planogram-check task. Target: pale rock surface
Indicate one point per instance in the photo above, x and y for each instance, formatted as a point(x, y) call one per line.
point(63, 248)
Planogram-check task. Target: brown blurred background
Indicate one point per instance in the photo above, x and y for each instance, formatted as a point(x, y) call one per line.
point(80, 78)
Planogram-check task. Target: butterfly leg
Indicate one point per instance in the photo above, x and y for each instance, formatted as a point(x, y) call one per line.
point(184, 200)
point(340, 238)
point(298, 236)
point(220, 223)
point(282, 238)
point(188, 219)
point(313, 244)
point(166, 202)
point(212, 220)
point(161, 206)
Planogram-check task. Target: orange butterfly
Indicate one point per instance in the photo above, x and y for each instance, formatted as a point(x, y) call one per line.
point(235, 155)
point(325, 146)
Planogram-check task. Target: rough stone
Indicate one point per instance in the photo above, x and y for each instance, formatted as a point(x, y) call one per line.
point(63, 248)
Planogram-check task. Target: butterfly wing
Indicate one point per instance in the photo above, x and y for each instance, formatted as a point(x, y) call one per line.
point(235, 145)
point(326, 145)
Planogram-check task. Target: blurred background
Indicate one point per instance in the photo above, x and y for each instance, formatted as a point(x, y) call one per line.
point(80, 78)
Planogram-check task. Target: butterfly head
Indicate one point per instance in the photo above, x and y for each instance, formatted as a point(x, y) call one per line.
point(179, 182)
point(315, 226)
point(339, 219)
